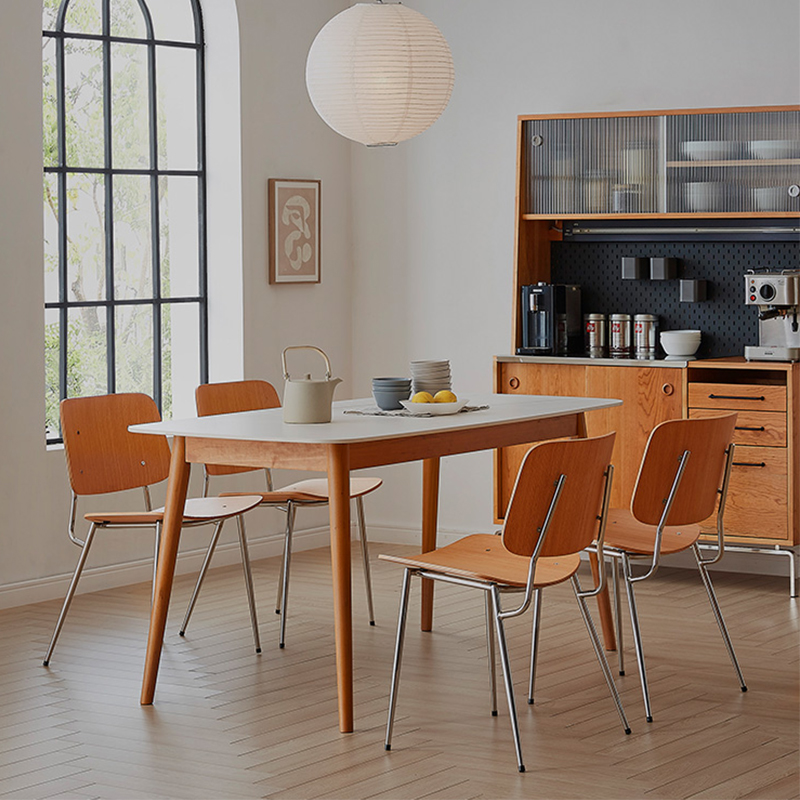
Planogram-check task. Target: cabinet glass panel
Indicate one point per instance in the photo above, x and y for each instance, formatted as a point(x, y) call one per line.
point(594, 166)
point(741, 162)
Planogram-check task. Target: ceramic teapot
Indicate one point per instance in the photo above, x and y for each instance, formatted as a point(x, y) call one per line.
point(306, 400)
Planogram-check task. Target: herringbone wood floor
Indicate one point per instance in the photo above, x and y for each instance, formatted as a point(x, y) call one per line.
point(229, 724)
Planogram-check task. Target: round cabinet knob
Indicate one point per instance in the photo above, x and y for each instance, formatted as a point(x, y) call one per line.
point(794, 190)
point(514, 383)
point(667, 389)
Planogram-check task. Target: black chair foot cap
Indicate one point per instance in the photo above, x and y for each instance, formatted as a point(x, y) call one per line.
point(521, 768)
point(649, 719)
point(45, 663)
point(181, 633)
point(372, 622)
point(258, 650)
point(281, 645)
point(744, 688)
point(387, 747)
point(622, 672)
point(277, 611)
point(627, 730)
point(494, 713)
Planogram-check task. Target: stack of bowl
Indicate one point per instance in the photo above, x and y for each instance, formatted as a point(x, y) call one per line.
point(388, 392)
point(680, 344)
point(431, 376)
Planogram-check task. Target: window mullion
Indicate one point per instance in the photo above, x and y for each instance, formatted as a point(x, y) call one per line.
point(111, 360)
point(63, 254)
point(201, 195)
point(155, 226)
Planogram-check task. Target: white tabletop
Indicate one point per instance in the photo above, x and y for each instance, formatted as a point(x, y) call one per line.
point(268, 425)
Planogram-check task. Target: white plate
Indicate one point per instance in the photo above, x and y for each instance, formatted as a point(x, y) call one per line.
point(435, 409)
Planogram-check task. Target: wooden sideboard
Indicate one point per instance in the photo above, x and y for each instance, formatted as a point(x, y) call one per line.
point(764, 496)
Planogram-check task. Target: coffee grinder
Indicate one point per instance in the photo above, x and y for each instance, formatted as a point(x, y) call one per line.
point(777, 295)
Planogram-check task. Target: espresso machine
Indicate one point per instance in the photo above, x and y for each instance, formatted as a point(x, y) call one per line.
point(551, 320)
point(777, 295)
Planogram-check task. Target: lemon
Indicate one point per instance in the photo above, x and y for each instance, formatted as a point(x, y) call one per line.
point(422, 397)
point(445, 396)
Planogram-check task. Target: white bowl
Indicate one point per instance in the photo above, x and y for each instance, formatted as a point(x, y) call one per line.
point(775, 148)
point(712, 151)
point(771, 198)
point(433, 409)
point(680, 343)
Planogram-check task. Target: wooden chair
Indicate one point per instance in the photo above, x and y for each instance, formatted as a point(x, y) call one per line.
point(557, 508)
point(254, 395)
point(683, 479)
point(104, 457)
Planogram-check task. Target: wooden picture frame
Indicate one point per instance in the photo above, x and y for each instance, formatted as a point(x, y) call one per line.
point(294, 230)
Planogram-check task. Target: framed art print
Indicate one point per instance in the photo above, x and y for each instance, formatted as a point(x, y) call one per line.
point(294, 230)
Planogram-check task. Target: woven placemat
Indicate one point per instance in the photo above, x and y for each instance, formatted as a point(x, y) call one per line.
point(374, 411)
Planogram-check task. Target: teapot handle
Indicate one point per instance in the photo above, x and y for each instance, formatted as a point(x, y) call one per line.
point(304, 347)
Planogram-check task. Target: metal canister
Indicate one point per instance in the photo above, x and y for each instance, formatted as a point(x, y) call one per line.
point(620, 335)
point(644, 335)
point(594, 329)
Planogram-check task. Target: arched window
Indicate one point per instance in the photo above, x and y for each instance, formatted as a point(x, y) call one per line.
point(124, 200)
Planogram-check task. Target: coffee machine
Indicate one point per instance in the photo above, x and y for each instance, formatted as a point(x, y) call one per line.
point(551, 320)
point(777, 295)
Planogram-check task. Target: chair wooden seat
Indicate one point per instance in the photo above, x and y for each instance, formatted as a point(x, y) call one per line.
point(197, 509)
point(483, 557)
point(557, 508)
point(624, 532)
point(104, 457)
point(313, 490)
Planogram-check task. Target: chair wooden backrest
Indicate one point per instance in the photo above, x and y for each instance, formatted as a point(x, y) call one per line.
point(707, 441)
point(574, 525)
point(102, 455)
point(230, 398)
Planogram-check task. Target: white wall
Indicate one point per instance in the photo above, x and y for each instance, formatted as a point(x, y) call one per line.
point(434, 217)
point(417, 239)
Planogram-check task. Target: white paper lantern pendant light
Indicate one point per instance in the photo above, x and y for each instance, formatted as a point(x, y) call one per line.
point(379, 73)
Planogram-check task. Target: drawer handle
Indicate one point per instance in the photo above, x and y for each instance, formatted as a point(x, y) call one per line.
point(749, 464)
point(514, 383)
point(733, 397)
point(760, 429)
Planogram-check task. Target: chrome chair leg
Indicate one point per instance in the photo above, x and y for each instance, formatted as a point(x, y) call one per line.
point(73, 585)
point(362, 532)
point(712, 598)
point(618, 615)
point(637, 636)
point(287, 558)
point(501, 641)
point(398, 655)
point(490, 652)
point(248, 580)
point(601, 656)
point(537, 617)
point(201, 577)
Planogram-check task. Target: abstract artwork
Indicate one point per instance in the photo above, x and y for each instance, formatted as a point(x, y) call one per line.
point(294, 230)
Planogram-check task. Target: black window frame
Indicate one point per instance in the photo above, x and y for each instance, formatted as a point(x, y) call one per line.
point(110, 303)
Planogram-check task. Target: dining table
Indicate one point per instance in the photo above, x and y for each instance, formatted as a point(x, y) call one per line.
point(354, 439)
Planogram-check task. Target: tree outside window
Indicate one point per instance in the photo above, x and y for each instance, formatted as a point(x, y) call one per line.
point(124, 201)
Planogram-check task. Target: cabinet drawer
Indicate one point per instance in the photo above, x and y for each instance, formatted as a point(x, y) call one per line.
point(757, 495)
point(759, 428)
point(737, 396)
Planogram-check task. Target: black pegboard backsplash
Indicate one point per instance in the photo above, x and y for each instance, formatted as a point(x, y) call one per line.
point(727, 324)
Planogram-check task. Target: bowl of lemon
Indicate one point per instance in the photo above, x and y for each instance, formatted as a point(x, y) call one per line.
point(427, 404)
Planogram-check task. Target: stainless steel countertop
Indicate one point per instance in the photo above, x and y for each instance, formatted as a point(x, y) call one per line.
point(676, 361)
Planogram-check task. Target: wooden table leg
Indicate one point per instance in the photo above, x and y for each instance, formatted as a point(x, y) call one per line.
point(339, 508)
point(430, 512)
point(168, 553)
